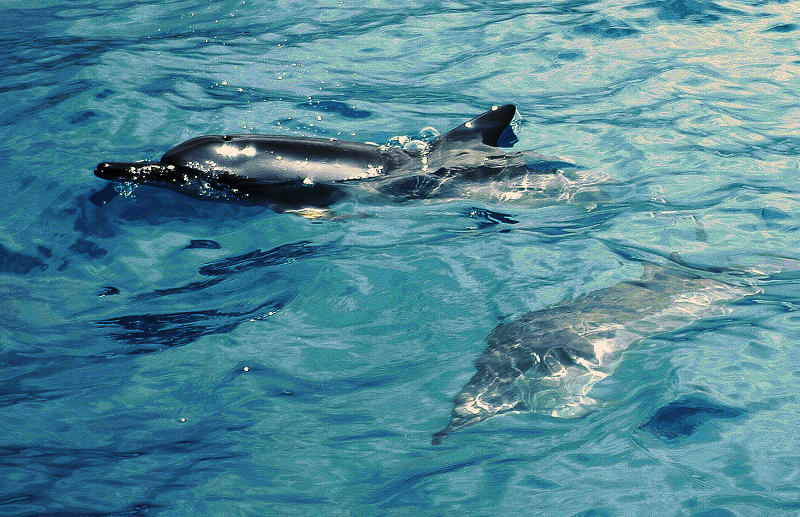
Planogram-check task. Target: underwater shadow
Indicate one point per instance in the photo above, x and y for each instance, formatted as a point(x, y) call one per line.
point(182, 328)
point(683, 417)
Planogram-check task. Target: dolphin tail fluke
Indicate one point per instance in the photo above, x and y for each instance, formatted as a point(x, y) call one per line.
point(486, 127)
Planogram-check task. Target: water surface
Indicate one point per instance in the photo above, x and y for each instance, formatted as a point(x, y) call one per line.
point(293, 367)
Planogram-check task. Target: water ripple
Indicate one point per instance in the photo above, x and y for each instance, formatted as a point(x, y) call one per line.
point(181, 328)
point(686, 111)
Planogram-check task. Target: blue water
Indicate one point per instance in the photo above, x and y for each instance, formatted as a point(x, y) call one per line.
point(170, 356)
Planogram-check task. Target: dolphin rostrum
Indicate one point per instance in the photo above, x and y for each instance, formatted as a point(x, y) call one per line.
point(548, 360)
point(286, 172)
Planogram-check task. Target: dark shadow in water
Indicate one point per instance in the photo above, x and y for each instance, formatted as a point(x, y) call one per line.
point(417, 186)
point(585, 223)
point(487, 218)
point(61, 463)
point(18, 263)
point(170, 329)
point(340, 108)
point(203, 244)
point(104, 196)
point(87, 248)
point(784, 28)
point(279, 382)
point(181, 328)
point(91, 213)
point(108, 290)
point(223, 269)
point(681, 418)
point(695, 11)
point(187, 288)
point(605, 28)
point(186, 456)
point(100, 213)
point(258, 259)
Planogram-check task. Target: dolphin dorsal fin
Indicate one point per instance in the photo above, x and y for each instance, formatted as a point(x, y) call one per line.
point(486, 127)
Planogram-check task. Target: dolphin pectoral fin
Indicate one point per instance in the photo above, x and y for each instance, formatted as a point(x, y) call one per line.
point(312, 214)
point(486, 127)
point(324, 214)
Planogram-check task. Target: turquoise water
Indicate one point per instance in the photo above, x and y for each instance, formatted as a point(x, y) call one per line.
point(171, 356)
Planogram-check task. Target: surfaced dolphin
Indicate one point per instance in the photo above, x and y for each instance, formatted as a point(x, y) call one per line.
point(548, 360)
point(287, 172)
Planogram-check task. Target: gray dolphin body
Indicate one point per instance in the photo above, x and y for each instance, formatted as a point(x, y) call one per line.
point(286, 172)
point(547, 361)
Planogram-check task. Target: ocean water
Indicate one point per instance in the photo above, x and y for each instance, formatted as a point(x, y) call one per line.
point(166, 355)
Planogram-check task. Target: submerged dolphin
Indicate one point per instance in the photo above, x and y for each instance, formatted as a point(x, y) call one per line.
point(287, 172)
point(548, 360)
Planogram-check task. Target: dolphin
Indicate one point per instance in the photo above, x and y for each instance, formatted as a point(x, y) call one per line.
point(290, 172)
point(548, 360)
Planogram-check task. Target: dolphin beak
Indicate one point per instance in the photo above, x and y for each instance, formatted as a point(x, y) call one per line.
point(103, 170)
point(131, 171)
point(441, 435)
point(115, 170)
point(456, 422)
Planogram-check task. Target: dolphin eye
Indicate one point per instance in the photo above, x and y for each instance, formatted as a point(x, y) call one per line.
point(227, 138)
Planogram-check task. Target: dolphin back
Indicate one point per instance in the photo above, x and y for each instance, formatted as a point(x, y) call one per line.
point(281, 158)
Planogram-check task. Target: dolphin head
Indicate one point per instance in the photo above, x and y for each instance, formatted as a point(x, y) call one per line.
point(479, 401)
point(221, 186)
point(174, 177)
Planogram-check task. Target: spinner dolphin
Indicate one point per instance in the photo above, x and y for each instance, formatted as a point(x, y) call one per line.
point(287, 172)
point(548, 360)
